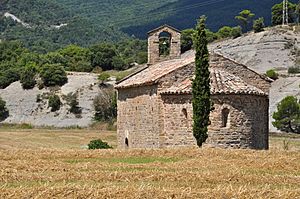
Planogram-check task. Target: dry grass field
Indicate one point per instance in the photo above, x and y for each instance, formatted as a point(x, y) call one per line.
point(54, 164)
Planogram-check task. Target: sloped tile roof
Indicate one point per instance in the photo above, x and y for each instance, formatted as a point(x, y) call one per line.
point(151, 74)
point(154, 72)
point(221, 81)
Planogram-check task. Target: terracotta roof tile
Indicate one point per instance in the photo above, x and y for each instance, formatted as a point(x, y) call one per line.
point(151, 74)
point(222, 82)
point(156, 71)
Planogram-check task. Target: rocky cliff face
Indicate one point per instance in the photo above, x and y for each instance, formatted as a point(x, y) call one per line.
point(31, 106)
point(275, 48)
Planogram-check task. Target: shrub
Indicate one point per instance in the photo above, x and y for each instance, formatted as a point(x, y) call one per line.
point(236, 32)
point(3, 110)
point(142, 57)
point(119, 63)
point(104, 76)
point(258, 25)
point(225, 32)
point(272, 74)
point(8, 76)
point(294, 70)
point(28, 76)
point(54, 103)
point(98, 144)
point(187, 40)
point(211, 36)
point(105, 106)
point(53, 75)
point(72, 101)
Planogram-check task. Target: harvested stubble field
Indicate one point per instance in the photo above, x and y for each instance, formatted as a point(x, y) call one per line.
point(62, 171)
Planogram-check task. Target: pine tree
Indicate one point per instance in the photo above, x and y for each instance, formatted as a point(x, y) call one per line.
point(201, 85)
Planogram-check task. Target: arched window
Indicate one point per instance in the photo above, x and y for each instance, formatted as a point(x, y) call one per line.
point(225, 114)
point(126, 142)
point(164, 44)
point(184, 111)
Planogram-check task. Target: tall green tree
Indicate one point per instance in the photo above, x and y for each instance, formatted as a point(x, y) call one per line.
point(287, 117)
point(277, 13)
point(244, 18)
point(53, 75)
point(201, 84)
point(28, 74)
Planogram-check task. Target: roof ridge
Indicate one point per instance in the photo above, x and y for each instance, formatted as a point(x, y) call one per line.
point(234, 61)
point(164, 26)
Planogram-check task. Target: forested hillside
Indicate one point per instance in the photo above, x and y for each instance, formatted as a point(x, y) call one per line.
point(56, 23)
point(50, 26)
point(183, 14)
point(137, 17)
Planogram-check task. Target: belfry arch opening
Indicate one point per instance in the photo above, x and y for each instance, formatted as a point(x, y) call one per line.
point(165, 39)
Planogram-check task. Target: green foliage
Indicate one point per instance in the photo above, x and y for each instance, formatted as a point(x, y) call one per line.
point(272, 74)
point(211, 36)
point(53, 75)
point(8, 75)
point(236, 32)
point(201, 85)
point(104, 76)
point(227, 32)
point(3, 110)
point(187, 40)
point(98, 144)
point(54, 103)
point(294, 70)
point(10, 55)
point(42, 16)
point(258, 25)
point(105, 106)
point(102, 55)
point(28, 76)
point(297, 12)
point(119, 63)
point(277, 13)
point(287, 117)
point(72, 101)
point(244, 18)
point(75, 58)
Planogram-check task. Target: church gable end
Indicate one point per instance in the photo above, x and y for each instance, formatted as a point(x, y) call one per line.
point(246, 74)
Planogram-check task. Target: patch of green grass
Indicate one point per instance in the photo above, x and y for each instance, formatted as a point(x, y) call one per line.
point(114, 73)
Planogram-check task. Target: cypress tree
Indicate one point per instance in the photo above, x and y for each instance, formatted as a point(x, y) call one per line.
point(201, 84)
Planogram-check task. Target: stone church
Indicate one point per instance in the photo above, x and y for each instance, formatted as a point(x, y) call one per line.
point(155, 104)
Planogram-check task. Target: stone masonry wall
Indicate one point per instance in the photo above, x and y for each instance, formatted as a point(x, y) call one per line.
point(138, 117)
point(247, 122)
point(165, 82)
point(247, 125)
point(153, 45)
point(178, 121)
point(239, 70)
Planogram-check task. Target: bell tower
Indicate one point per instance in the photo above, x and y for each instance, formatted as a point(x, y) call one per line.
point(163, 44)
